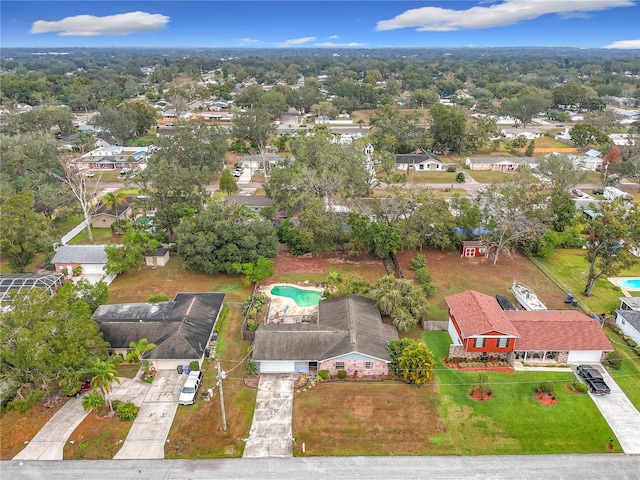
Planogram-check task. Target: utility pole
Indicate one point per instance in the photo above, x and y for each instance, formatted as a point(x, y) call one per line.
point(221, 376)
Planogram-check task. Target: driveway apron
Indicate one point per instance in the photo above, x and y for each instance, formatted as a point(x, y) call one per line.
point(149, 431)
point(48, 444)
point(270, 434)
point(620, 414)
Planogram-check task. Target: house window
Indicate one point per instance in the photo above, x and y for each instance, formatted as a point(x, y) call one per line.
point(503, 342)
point(481, 250)
point(478, 342)
point(368, 365)
point(339, 365)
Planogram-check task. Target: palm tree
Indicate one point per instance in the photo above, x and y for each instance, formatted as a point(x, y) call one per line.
point(138, 349)
point(104, 373)
point(112, 200)
point(92, 401)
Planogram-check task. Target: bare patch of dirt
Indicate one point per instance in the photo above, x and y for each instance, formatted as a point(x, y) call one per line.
point(17, 428)
point(480, 396)
point(546, 398)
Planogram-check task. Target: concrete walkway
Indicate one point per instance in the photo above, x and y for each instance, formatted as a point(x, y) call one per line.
point(48, 444)
point(620, 414)
point(149, 431)
point(271, 434)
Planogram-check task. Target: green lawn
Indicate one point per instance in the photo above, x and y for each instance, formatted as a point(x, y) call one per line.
point(483, 176)
point(569, 269)
point(100, 236)
point(628, 376)
point(431, 177)
point(513, 422)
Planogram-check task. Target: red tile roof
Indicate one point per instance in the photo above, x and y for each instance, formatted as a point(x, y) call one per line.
point(556, 330)
point(476, 313)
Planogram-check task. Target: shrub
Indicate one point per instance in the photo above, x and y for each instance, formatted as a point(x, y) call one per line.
point(460, 177)
point(127, 411)
point(342, 374)
point(157, 298)
point(451, 168)
point(116, 404)
point(251, 368)
point(482, 382)
point(77, 270)
point(614, 360)
point(194, 365)
point(579, 387)
point(546, 387)
point(631, 343)
point(323, 374)
point(419, 261)
point(22, 405)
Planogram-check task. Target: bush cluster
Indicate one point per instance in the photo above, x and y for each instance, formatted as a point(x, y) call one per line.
point(323, 374)
point(579, 387)
point(127, 411)
point(546, 387)
point(342, 374)
point(194, 365)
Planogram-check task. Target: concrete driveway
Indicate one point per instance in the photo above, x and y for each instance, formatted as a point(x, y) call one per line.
point(620, 414)
point(149, 431)
point(48, 444)
point(270, 434)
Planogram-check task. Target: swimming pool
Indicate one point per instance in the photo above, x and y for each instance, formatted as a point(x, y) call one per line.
point(302, 297)
point(630, 283)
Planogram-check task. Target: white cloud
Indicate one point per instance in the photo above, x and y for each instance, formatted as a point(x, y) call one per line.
point(333, 37)
point(296, 41)
point(340, 45)
point(508, 12)
point(629, 44)
point(90, 25)
point(247, 41)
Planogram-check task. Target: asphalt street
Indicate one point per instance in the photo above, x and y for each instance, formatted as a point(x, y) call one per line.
point(540, 467)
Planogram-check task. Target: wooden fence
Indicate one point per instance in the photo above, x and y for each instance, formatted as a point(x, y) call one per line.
point(435, 325)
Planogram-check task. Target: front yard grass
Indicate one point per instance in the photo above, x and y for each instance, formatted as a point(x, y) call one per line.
point(196, 431)
point(431, 177)
point(513, 422)
point(628, 375)
point(485, 176)
point(97, 438)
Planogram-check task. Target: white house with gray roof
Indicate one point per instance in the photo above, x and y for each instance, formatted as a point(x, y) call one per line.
point(92, 260)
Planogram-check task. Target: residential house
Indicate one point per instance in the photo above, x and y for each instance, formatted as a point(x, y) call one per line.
point(113, 157)
point(255, 203)
point(88, 261)
point(480, 329)
point(105, 216)
point(349, 335)
point(629, 322)
point(17, 282)
point(499, 164)
point(529, 133)
point(180, 329)
point(630, 303)
point(420, 160)
point(590, 160)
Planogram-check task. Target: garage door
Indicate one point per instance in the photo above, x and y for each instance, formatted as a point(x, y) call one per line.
point(584, 356)
point(92, 269)
point(277, 367)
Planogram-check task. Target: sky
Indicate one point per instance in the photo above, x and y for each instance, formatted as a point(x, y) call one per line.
point(331, 24)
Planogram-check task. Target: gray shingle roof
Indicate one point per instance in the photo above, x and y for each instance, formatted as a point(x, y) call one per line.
point(345, 325)
point(80, 254)
point(418, 157)
point(180, 329)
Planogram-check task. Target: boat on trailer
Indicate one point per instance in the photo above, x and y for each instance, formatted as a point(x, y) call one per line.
point(527, 297)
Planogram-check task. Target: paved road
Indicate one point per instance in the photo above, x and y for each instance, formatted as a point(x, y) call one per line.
point(270, 434)
point(149, 431)
point(543, 467)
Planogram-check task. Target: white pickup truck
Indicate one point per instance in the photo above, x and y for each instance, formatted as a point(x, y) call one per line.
point(190, 389)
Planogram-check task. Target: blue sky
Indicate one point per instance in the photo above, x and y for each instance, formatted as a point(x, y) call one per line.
point(329, 24)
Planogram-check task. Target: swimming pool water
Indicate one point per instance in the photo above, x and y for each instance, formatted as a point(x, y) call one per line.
point(303, 298)
point(630, 283)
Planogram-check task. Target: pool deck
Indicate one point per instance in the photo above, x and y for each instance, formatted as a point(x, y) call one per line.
point(625, 291)
point(283, 308)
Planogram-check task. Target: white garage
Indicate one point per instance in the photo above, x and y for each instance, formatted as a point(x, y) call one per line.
point(584, 356)
point(277, 366)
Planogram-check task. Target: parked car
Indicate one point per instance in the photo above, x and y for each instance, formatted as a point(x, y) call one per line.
point(597, 191)
point(189, 391)
point(236, 172)
point(86, 385)
point(577, 192)
point(588, 372)
point(124, 171)
point(88, 173)
point(598, 387)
